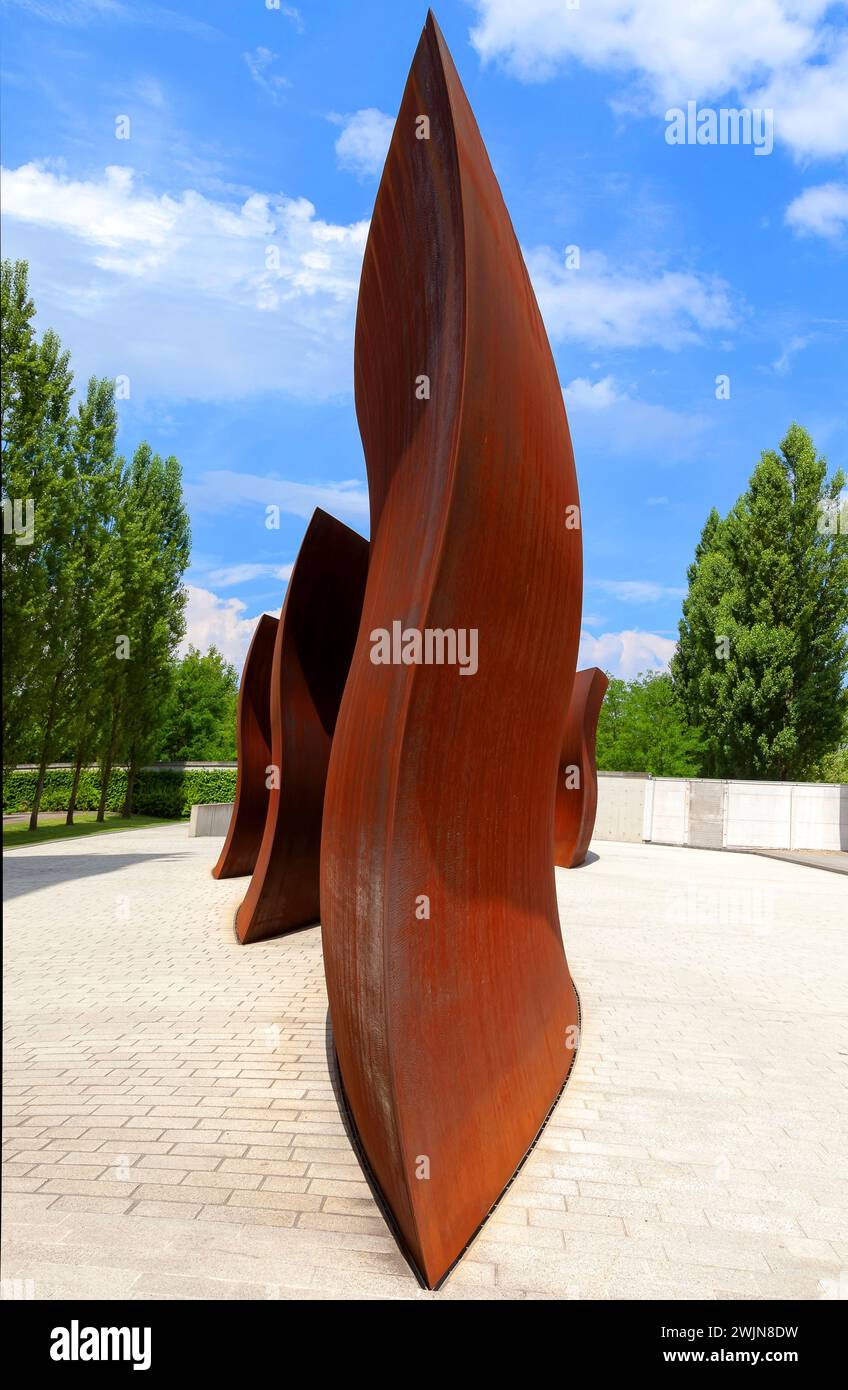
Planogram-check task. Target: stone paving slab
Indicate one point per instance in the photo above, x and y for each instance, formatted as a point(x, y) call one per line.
point(172, 1132)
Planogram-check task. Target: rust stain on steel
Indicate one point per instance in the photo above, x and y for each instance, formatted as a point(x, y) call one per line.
point(452, 1006)
point(253, 743)
point(312, 653)
point(577, 805)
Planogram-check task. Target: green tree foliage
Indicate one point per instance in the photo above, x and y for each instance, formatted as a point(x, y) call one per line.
point(833, 767)
point(199, 721)
point(157, 545)
point(642, 728)
point(762, 656)
point(93, 573)
point(93, 595)
point(38, 479)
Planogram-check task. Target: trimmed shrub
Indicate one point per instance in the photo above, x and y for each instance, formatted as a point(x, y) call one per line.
point(166, 792)
point(173, 791)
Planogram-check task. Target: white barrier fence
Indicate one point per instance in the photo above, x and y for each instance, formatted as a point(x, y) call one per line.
point(712, 814)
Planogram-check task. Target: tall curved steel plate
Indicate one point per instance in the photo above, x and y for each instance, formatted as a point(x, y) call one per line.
point(577, 795)
point(253, 746)
point(312, 654)
point(452, 1007)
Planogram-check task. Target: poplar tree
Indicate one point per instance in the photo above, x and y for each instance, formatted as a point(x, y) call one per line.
point(158, 542)
point(98, 472)
point(762, 655)
point(37, 472)
point(37, 482)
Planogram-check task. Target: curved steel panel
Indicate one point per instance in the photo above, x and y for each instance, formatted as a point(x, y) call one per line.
point(253, 744)
point(312, 653)
point(577, 798)
point(452, 1006)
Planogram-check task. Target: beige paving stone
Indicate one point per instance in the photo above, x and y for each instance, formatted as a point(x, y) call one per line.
point(157, 1207)
point(196, 1287)
point(690, 1155)
point(98, 1204)
point(232, 1182)
point(326, 1221)
point(88, 1187)
point(14, 1184)
point(52, 1281)
point(263, 1216)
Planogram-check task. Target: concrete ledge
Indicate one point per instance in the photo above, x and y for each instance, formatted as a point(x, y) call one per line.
point(211, 819)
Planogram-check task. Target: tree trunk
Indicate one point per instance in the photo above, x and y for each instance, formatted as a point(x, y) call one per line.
point(106, 765)
point(45, 753)
point(72, 803)
point(131, 772)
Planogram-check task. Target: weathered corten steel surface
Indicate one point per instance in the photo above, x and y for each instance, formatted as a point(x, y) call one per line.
point(312, 653)
point(452, 1007)
point(577, 797)
point(253, 745)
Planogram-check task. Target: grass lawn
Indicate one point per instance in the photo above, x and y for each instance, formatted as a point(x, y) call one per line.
point(52, 827)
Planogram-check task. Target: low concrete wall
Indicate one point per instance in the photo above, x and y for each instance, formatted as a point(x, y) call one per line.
point(702, 812)
point(621, 806)
point(712, 814)
point(211, 819)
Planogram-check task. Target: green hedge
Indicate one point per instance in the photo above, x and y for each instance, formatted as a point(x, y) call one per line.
point(173, 792)
point(158, 791)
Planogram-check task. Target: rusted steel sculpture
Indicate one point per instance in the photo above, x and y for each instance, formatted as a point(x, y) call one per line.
point(312, 653)
point(253, 745)
point(577, 789)
point(452, 1007)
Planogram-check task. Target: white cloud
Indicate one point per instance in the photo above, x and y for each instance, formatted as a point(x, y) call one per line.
point(626, 653)
point(150, 91)
point(221, 490)
point(676, 51)
point(259, 64)
point(364, 141)
point(603, 415)
point(232, 575)
point(637, 590)
point(582, 394)
point(199, 297)
point(820, 211)
point(219, 622)
point(81, 12)
point(189, 296)
point(292, 13)
point(606, 307)
point(783, 363)
point(810, 105)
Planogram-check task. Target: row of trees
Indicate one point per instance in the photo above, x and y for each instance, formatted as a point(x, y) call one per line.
point(756, 687)
point(94, 550)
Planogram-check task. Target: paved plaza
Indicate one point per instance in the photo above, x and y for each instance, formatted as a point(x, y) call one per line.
point(172, 1129)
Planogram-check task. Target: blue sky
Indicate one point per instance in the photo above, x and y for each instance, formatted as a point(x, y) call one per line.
point(256, 125)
